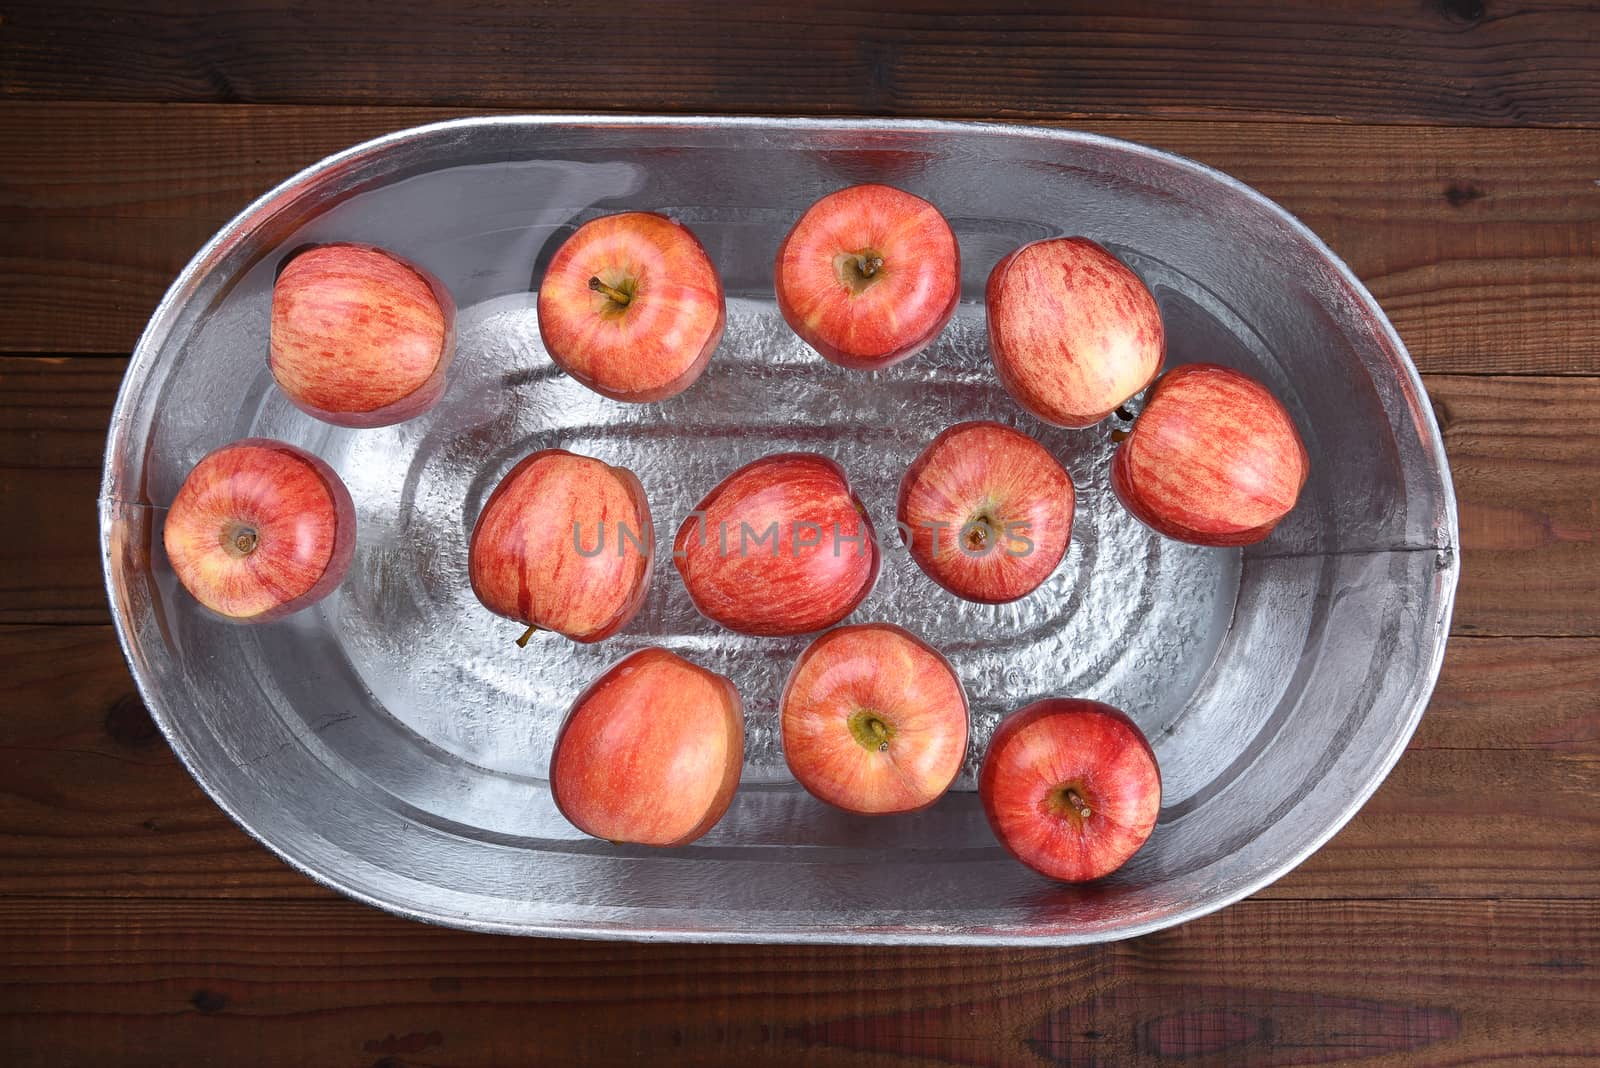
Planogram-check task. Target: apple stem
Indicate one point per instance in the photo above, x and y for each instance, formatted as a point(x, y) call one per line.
point(238, 540)
point(878, 732)
point(1078, 803)
point(522, 642)
point(869, 265)
point(1119, 434)
point(980, 532)
point(610, 291)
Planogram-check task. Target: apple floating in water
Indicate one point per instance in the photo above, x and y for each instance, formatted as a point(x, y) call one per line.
point(651, 752)
point(1074, 333)
point(1213, 459)
point(260, 529)
point(869, 276)
point(988, 511)
point(359, 336)
point(632, 307)
point(874, 720)
point(564, 543)
point(1071, 788)
point(781, 546)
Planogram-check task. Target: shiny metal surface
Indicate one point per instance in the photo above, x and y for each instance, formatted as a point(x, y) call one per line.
point(393, 742)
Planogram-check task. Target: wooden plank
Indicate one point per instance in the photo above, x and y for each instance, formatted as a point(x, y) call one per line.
point(93, 796)
point(54, 411)
point(50, 552)
point(1525, 454)
point(1520, 693)
point(1261, 984)
point(1483, 245)
point(1495, 798)
point(1452, 61)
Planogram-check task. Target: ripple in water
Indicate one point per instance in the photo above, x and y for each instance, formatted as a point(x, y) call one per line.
point(1129, 617)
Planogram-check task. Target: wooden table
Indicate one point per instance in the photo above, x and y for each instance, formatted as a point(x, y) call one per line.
point(1449, 151)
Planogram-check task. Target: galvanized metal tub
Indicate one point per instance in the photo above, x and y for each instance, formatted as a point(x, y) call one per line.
point(393, 743)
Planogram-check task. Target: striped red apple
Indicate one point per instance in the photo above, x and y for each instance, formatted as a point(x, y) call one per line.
point(564, 543)
point(988, 512)
point(260, 529)
point(1071, 788)
point(780, 546)
point(874, 720)
point(632, 307)
point(869, 276)
point(1214, 458)
point(1074, 333)
point(651, 752)
point(359, 336)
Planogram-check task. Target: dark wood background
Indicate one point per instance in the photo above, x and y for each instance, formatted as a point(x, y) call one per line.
point(1449, 151)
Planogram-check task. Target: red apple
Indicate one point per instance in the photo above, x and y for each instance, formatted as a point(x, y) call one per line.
point(1070, 787)
point(564, 543)
point(632, 307)
point(1213, 458)
point(651, 752)
point(260, 529)
point(781, 546)
point(360, 337)
point(988, 511)
point(1073, 331)
point(869, 276)
point(874, 721)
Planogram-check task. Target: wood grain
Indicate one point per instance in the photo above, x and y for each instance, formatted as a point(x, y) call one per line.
point(1482, 245)
point(1525, 453)
point(53, 418)
point(1536, 694)
point(1487, 803)
point(138, 925)
point(54, 411)
point(1448, 61)
point(1263, 983)
point(93, 796)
